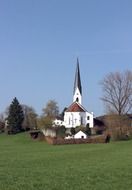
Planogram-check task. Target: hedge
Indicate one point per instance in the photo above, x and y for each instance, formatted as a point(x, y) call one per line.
point(92, 139)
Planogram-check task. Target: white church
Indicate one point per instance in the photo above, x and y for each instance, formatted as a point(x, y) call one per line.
point(76, 115)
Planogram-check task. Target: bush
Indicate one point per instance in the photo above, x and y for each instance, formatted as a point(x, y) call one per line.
point(73, 131)
point(60, 131)
point(80, 128)
point(61, 141)
point(88, 130)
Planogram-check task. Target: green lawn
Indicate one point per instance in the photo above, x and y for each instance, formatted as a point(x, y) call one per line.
point(30, 165)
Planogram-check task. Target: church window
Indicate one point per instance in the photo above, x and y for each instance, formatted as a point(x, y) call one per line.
point(87, 125)
point(77, 99)
point(88, 117)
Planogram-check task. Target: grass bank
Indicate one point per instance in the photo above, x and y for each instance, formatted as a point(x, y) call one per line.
point(32, 165)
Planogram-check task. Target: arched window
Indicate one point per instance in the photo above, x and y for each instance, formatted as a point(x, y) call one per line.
point(77, 99)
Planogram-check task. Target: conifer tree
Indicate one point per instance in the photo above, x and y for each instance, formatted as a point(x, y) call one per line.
point(15, 117)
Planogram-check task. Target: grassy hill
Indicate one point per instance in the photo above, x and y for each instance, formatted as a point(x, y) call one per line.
point(27, 164)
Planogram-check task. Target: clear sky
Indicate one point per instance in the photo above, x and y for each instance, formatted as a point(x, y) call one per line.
point(40, 41)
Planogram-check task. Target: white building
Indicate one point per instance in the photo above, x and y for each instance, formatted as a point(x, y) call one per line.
point(58, 122)
point(80, 135)
point(76, 114)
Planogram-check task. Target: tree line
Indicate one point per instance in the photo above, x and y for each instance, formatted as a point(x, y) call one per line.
point(117, 98)
point(23, 118)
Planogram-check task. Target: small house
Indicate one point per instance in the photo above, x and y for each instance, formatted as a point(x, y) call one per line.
point(80, 135)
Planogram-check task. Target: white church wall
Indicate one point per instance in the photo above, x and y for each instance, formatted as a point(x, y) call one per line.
point(73, 119)
point(89, 119)
point(82, 118)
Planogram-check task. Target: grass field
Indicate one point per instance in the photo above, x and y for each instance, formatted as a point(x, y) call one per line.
point(31, 165)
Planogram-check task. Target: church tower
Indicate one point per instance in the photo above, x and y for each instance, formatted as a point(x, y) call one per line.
point(77, 93)
point(76, 115)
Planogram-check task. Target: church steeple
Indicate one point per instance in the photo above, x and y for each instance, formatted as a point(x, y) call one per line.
point(77, 93)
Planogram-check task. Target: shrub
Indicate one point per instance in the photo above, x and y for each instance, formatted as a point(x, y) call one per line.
point(60, 131)
point(61, 141)
point(88, 130)
point(80, 128)
point(73, 131)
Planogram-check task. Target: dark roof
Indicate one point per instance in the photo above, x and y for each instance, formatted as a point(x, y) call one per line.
point(77, 82)
point(59, 117)
point(76, 107)
point(130, 116)
point(103, 117)
point(98, 122)
point(102, 120)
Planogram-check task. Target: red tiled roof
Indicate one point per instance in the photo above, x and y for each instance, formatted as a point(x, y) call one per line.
point(75, 107)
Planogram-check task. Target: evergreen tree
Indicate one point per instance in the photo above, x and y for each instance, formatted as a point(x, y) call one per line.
point(15, 117)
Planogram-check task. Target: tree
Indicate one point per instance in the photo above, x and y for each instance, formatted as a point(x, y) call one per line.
point(2, 123)
point(63, 113)
point(88, 130)
point(117, 88)
point(30, 118)
point(15, 117)
point(44, 122)
point(51, 110)
point(60, 131)
point(73, 131)
point(118, 126)
point(2, 117)
point(80, 128)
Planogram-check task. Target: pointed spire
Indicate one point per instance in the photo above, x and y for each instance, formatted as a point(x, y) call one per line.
point(77, 82)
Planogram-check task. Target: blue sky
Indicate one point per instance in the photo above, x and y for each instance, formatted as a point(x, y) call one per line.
point(41, 40)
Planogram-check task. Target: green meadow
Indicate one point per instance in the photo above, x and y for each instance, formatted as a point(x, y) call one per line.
point(32, 165)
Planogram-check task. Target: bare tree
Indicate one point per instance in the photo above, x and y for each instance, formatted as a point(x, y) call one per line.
point(50, 112)
point(2, 119)
point(30, 118)
point(51, 109)
point(117, 88)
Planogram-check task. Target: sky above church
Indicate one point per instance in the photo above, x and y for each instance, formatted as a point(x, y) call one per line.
point(40, 41)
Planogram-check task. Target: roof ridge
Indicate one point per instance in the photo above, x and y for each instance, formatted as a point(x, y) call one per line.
point(81, 106)
point(76, 107)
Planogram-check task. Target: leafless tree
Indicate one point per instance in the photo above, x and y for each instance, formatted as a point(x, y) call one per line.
point(51, 109)
point(50, 112)
point(117, 89)
point(30, 117)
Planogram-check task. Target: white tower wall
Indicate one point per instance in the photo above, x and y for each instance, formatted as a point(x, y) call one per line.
point(77, 97)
